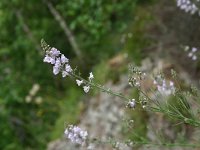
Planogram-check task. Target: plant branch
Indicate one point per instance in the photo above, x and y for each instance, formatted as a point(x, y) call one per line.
point(65, 28)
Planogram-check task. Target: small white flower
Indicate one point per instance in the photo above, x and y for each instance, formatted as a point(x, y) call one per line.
point(86, 89)
point(194, 57)
point(79, 82)
point(171, 83)
point(64, 73)
point(91, 76)
point(154, 82)
point(190, 54)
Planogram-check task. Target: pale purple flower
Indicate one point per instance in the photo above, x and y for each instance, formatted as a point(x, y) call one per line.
point(188, 6)
point(58, 63)
point(79, 82)
point(49, 59)
point(76, 134)
point(68, 68)
point(194, 49)
point(164, 87)
point(131, 103)
point(86, 89)
point(56, 70)
point(64, 59)
point(54, 52)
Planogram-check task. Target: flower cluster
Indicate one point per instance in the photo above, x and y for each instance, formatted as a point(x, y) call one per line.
point(60, 62)
point(135, 76)
point(76, 134)
point(191, 52)
point(164, 87)
point(188, 6)
point(86, 87)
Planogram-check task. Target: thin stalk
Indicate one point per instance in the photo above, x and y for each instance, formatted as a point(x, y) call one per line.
point(101, 88)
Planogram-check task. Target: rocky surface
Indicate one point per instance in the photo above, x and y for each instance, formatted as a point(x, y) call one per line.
point(102, 120)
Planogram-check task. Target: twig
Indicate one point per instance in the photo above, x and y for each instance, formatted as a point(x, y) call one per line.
point(65, 27)
point(27, 30)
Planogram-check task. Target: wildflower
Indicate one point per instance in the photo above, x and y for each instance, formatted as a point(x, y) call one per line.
point(194, 57)
point(79, 82)
point(54, 52)
point(64, 73)
point(131, 104)
point(91, 76)
point(86, 89)
point(188, 6)
point(76, 134)
point(60, 62)
point(68, 68)
point(163, 87)
point(64, 59)
point(192, 52)
point(56, 70)
point(49, 59)
point(135, 76)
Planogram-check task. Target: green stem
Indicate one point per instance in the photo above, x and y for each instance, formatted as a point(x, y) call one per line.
point(101, 88)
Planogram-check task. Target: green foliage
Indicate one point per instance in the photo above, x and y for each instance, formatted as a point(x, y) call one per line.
point(97, 19)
